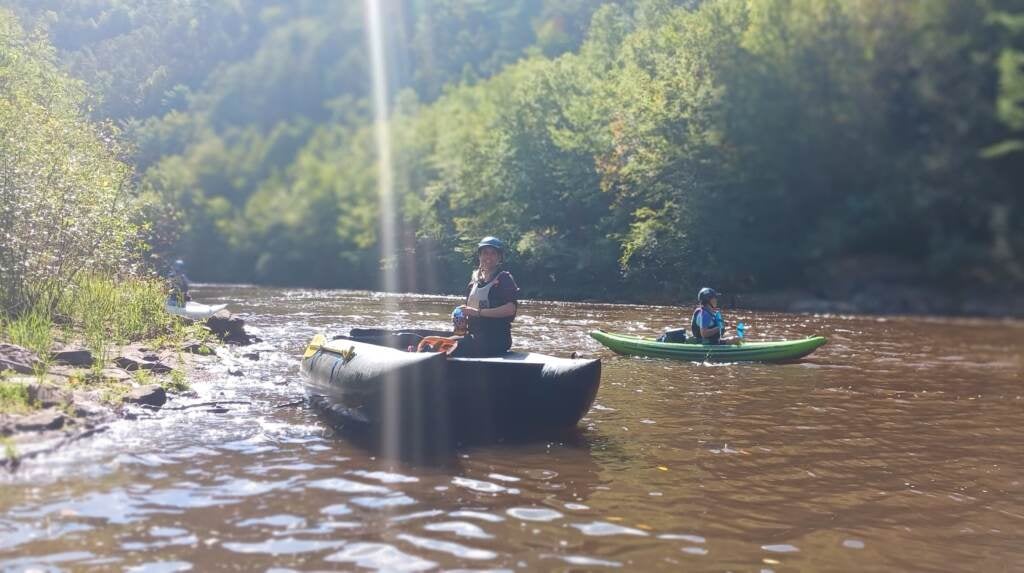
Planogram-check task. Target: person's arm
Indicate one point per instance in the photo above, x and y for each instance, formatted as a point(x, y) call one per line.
point(504, 311)
point(708, 332)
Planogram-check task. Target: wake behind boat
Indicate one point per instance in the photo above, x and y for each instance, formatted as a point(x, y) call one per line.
point(366, 381)
point(774, 351)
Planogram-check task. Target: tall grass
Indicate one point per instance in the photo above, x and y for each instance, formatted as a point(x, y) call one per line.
point(33, 330)
point(107, 311)
point(14, 398)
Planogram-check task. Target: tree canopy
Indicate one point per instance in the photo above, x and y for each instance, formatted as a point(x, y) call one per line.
point(623, 149)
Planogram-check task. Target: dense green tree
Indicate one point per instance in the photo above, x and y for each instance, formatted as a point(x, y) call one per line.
point(66, 204)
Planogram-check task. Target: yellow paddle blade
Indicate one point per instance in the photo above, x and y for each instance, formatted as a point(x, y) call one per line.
point(316, 344)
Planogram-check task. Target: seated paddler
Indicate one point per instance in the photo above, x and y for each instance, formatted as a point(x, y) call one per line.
point(706, 324)
point(485, 321)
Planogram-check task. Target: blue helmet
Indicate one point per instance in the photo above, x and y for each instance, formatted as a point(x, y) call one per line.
point(494, 242)
point(178, 265)
point(706, 294)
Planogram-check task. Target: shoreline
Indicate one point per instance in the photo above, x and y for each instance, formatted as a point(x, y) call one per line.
point(72, 396)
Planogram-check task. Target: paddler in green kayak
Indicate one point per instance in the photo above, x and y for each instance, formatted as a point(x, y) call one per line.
point(491, 304)
point(706, 325)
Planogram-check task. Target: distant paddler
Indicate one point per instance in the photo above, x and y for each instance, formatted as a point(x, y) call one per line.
point(179, 293)
point(706, 323)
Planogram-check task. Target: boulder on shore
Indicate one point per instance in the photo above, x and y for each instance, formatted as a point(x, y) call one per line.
point(18, 359)
point(72, 356)
point(152, 394)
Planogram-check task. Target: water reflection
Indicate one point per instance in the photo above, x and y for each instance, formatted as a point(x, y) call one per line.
point(891, 455)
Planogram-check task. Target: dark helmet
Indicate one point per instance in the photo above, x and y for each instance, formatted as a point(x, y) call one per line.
point(494, 242)
point(706, 294)
point(178, 265)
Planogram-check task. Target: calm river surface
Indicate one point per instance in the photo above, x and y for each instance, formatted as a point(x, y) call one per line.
point(898, 446)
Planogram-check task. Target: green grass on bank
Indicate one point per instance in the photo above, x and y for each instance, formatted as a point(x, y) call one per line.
point(100, 313)
point(14, 398)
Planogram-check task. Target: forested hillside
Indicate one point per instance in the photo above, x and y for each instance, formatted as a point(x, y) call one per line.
point(624, 149)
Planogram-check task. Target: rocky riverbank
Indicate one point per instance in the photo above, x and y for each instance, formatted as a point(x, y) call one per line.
point(49, 402)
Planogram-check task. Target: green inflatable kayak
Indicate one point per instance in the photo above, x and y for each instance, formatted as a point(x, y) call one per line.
point(777, 351)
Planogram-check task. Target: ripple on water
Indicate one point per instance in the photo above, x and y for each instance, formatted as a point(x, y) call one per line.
point(603, 528)
point(28, 562)
point(337, 509)
point(459, 528)
point(283, 520)
point(393, 500)
point(583, 560)
point(682, 537)
point(481, 486)
point(385, 477)
point(781, 548)
point(286, 546)
point(161, 567)
point(481, 515)
point(346, 486)
point(452, 548)
point(534, 513)
point(381, 557)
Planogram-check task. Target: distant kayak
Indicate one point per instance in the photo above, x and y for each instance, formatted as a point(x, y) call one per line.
point(195, 310)
point(775, 351)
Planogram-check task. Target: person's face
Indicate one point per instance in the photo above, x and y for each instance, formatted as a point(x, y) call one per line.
point(713, 301)
point(489, 257)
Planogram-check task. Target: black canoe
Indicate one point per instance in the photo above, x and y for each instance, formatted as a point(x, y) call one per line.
point(364, 380)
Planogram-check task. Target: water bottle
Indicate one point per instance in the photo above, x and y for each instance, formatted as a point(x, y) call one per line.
point(739, 329)
point(718, 321)
point(459, 322)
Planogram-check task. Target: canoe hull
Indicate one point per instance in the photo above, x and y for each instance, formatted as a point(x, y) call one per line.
point(402, 396)
point(780, 351)
point(194, 310)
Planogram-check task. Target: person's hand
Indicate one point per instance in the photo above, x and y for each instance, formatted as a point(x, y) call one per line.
point(469, 311)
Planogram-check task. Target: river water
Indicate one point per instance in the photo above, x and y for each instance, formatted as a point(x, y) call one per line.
point(898, 446)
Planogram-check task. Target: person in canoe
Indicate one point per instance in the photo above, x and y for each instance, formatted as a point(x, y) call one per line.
point(491, 304)
point(179, 284)
point(706, 325)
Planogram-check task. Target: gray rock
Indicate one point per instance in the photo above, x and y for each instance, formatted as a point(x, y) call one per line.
point(254, 355)
point(151, 394)
point(47, 395)
point(131, 363)
point(229, 328)
point(89, 409)
point(197, 348)
point(71, 356)
point(40, 421)
point(235, 371)
point(18, 359)
point(115, 374)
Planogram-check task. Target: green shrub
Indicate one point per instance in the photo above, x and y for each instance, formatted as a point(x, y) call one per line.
point(14, 398)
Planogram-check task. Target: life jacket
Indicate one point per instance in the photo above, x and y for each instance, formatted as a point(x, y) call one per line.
point(480, 296)
point(695, 329)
